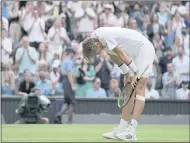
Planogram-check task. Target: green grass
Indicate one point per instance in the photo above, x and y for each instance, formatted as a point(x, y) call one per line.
point(90, 133)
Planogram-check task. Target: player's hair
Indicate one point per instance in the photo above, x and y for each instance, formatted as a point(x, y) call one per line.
point(89, 48)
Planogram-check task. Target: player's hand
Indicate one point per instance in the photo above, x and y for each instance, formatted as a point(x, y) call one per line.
point(134, 80)
point(73, 88)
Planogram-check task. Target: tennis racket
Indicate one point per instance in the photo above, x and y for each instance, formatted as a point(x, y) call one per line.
point(127, 92)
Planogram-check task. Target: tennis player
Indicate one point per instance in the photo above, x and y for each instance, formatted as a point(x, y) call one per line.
point(132, 52)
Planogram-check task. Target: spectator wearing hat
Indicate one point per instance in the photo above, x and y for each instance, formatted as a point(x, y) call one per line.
point(107, 18)
point(45, 85)
point(183, 93)
point(55, 76)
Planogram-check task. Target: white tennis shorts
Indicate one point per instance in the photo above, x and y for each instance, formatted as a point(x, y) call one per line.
point(144, 58)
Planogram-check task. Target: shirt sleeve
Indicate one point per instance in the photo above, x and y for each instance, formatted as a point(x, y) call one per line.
point(69, 66)
point(111, 42)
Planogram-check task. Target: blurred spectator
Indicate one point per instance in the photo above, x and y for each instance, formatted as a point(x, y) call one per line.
point(181, 65)
point(43, 53)
point(165, 60)
point(6, 48)
point(133, 24)
point(103, 68)
point(116, 72)
point(43, 66)
point(163, 15)
point(170, 83)
point(151, 93)
point(85, 18)
point(8, 84)
point(26, 85)
point(26, 16)
point(76, 36)
point(57, 36)
point(96, 91)
point(177, 44)
point(185, 39)
point(169, 35)
point(45, 85)
point(85, 73)
point(35, 29)
point(14, 26)
point(5, 22)
point(154, 27)
point(183, 92)
point(138, 15)
point(120, 21)
point(158, 45)
point(107, 18)
point(178, 24)
point(26, 58)
point(5, 9)
point(55, 76)
point(114, 88)
point(66, 15)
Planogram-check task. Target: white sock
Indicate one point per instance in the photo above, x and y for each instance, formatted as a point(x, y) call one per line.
point(123, 123)
point(134, 124)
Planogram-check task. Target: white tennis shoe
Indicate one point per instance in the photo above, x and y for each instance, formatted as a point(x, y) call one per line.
point(116, 130)
point(127, 135)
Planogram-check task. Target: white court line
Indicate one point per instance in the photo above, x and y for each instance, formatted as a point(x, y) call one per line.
point(30, 138)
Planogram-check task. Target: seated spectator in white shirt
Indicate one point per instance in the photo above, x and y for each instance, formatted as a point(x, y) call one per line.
point(57, 37)
point(6, 48)
point(181, 65)
point(96, 91)
point(26, 58)
point(35, 29)
point(151, 93)
point(183, 92)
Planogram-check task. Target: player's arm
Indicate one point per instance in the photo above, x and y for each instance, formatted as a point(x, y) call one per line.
point(124, 58)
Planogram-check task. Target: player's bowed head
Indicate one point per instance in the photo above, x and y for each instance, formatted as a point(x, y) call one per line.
point(90, 48)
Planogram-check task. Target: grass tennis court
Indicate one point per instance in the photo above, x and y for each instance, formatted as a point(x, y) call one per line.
point(90, 133)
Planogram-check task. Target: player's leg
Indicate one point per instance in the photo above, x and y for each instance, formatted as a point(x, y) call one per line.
point(126, 112)
point(145, 58)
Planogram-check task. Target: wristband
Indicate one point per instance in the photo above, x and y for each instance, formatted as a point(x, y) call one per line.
point(132, 66)
point(124, 68)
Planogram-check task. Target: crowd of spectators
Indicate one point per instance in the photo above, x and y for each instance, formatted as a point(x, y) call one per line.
point(35, 35)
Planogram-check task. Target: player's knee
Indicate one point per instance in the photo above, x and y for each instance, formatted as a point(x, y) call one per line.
point(140, 89)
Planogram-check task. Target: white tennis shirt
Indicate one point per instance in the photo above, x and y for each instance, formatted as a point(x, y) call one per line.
point(129, 40)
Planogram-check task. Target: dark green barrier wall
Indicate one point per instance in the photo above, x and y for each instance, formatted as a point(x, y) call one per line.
point(96, 106)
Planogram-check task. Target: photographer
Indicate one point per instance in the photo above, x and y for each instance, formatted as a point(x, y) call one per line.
point(85, 73)
point(31, 108)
